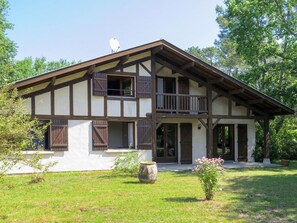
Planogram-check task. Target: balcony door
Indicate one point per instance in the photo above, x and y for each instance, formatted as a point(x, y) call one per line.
point(165, 86)
point(167, 143)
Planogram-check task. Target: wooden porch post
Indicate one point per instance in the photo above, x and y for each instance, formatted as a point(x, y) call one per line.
point(266, 140)
point(209, 134)
point(154, 119)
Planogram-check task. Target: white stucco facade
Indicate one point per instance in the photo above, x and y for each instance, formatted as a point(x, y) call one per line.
point(80, 156)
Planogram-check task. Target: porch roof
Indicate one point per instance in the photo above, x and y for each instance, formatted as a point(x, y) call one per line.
point(181, 62)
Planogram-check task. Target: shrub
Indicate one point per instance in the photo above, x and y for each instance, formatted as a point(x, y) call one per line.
point(208, 172)
point(127, 163)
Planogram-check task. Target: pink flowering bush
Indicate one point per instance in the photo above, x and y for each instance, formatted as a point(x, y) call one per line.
point(208, 171)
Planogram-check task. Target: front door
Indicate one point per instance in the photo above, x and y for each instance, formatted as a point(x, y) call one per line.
point(167, 143)
point(223, 141)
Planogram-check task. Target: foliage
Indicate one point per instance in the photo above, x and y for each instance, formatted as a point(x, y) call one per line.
point(18, 131)
point(7, 47)
point(265, 36)
point(29, 67)
point(127, 163)
point(40, 169)
point(208, 171)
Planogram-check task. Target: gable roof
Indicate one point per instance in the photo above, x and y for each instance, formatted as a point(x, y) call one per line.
point(181, 62)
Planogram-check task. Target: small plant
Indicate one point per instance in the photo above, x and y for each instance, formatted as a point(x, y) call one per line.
point(208, 171)
point(127, 163)
point(40, 169)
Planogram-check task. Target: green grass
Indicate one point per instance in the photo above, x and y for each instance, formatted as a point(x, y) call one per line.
point(253, 195)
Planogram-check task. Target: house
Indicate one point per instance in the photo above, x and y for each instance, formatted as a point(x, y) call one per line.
point(169, 105)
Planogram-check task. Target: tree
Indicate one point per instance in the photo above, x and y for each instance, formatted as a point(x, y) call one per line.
point(18, 131)
point(264, 34)
point(222, 56)
point(30, 67)
point(7, 47)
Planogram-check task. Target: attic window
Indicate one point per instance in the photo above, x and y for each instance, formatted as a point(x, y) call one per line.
point(120, 86)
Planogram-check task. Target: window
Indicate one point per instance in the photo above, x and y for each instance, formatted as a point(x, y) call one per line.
point(120, 134)
point(120, 86)
point(45, 142)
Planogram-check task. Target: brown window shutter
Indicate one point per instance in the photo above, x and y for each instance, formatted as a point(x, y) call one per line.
point(183, 85)
point(183, 88)
point(144, 87)
point(144, 134)
point(99, 84)
point(59, 135)
point(100, 135)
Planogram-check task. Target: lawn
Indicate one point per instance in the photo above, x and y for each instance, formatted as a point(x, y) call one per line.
point(252, 195)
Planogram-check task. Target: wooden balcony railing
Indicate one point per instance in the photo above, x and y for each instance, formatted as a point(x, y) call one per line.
point(181, 103)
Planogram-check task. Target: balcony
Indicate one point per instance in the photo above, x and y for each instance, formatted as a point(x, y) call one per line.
point(181, 103)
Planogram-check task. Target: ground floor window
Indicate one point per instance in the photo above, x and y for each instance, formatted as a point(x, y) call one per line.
point(120, 134)
point(43, 144)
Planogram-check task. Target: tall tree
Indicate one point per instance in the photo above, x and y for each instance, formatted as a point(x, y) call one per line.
point(264, 34)
point(222, 56)
point(7, 46)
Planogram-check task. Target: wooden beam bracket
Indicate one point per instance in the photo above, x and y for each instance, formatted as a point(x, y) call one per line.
point(203, 123)
point(215, 123)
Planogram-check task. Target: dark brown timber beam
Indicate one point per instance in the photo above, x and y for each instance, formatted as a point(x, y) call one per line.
point(203, 123)
point(123, 60)
point(188, 65)
point(90, 70)
point(216, 80)
point(256, 101)
point(236, 91)
point(157, 50)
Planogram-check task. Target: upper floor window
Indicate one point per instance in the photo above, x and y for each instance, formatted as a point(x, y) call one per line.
point(120, 86)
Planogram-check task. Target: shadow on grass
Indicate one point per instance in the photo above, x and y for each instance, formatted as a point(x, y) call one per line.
point(111, 176)
point(182, 199)
point(264, 198)
point(132, 182)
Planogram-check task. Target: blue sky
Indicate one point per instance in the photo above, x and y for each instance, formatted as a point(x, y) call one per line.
point(81, 29)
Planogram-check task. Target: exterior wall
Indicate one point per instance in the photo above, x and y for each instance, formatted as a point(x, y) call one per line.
point(43, 104)
point(80, 98)
point(113, 108)
point(220, 106)
point(145, 106)
point(62, 103)
point(80, 156)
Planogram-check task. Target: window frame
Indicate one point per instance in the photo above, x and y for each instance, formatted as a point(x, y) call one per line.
point(132, 78)
point(133, 129)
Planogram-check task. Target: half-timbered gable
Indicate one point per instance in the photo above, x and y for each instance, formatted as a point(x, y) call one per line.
point(155, 98)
